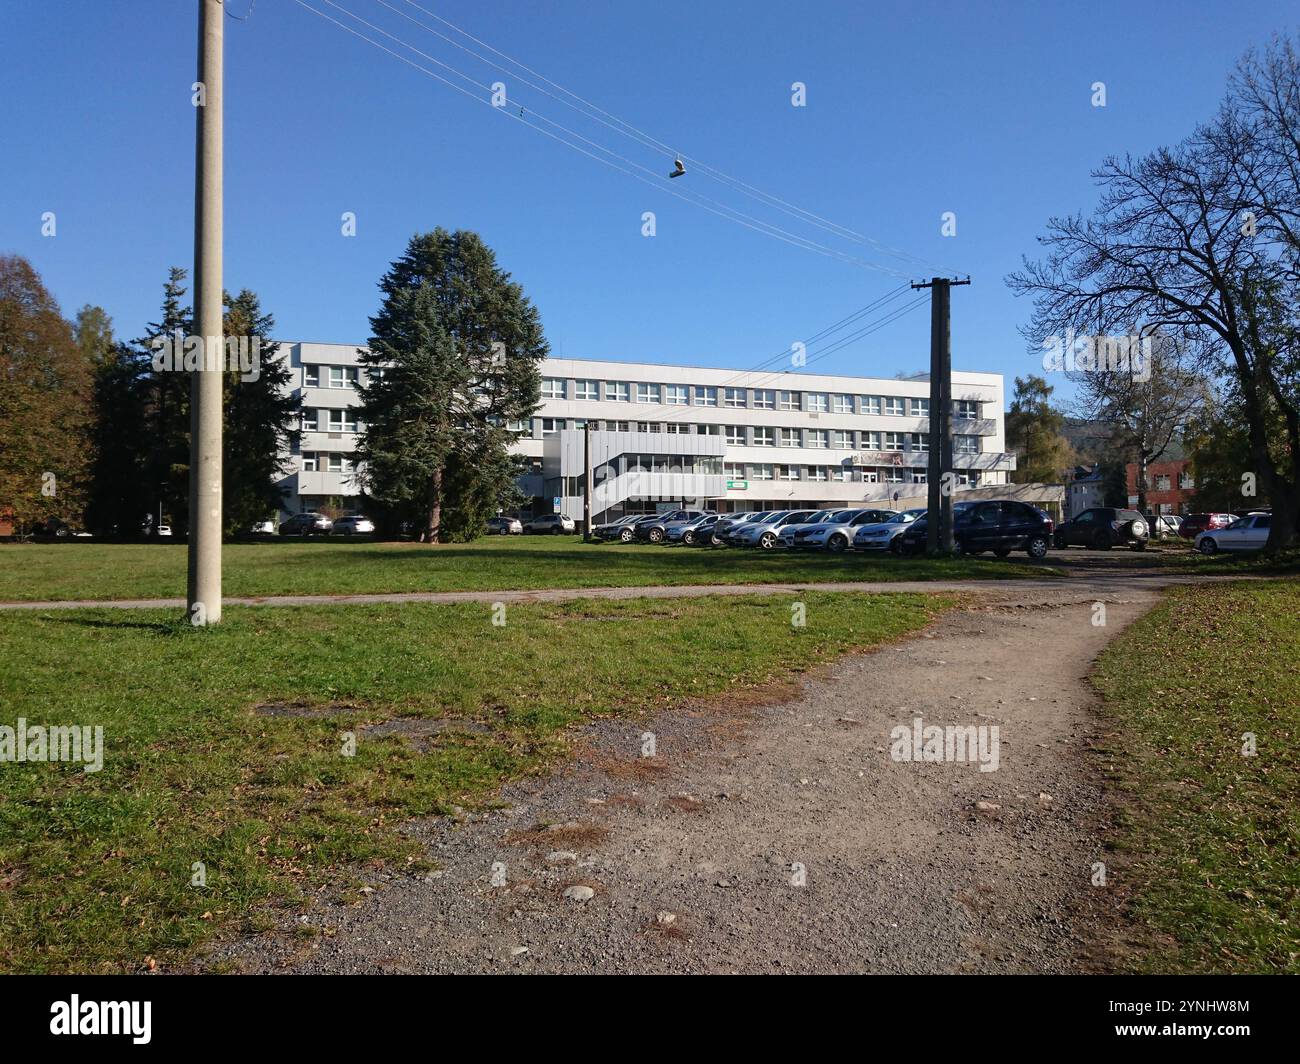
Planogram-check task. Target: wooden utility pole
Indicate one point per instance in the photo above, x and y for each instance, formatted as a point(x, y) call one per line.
point(939, 483)
point(203, 587)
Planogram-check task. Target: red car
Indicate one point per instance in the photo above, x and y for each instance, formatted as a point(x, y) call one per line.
point(1194, 524)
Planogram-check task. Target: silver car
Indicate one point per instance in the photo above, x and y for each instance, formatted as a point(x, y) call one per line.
point(550, 524)
point(353, 525)
point(836, 534)
point(766, 534)
point(728, 523)
point(789, 531)
point(881, 536)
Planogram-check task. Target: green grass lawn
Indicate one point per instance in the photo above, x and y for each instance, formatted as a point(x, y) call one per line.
point(224, 745)
point(47, 572)
point(1212, 836)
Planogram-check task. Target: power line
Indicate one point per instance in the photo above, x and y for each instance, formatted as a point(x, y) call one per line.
point(620, 125)
point(729, 213)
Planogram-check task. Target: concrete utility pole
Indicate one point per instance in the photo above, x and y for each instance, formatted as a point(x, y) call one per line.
point(586, 482)
point(938, 533)
point(203, 589)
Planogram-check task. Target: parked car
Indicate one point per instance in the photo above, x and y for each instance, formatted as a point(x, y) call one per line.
point(613, 529)
point(836, 532)
point(553, 524)
point(999, 525)
point(1160, 526)
point(765, 534)
point(504, 526)
point(729, 522)
point(694, 533)
point(353, 525)
point(1104, 527)
point(263, 528)
point(654, 529)
point(1246, 533)
point(1194, 524)
point(163, 530)
point(304, 524)
point(789, 531)
point(884, 535)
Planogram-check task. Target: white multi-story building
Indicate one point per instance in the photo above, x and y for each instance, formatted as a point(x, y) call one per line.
point(683, 435)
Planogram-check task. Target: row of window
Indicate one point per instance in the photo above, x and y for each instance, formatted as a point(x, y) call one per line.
point(762, 436)
point(337, 420)
point(334, 376)
point(1163, 482)
point(747, 398)
point(843, 474)
point(326, 462)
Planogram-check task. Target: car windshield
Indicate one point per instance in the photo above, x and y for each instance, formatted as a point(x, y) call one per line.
point(762, 515)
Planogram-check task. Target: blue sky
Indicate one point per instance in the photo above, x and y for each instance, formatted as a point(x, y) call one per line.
point(912, 110)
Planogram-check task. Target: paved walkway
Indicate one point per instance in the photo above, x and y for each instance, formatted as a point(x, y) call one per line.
point(1099, 582)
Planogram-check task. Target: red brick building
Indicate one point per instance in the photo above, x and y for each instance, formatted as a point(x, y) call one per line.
point(1169, 486)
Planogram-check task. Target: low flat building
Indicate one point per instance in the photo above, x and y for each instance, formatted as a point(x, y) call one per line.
point(664, 436)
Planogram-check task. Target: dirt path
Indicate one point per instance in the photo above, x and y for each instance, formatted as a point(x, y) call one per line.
point(904, 873)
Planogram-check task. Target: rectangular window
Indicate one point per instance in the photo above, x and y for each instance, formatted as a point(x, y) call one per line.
point(871, 404)
point(870, 476)
point(893, 406)
point(965, 445)
point(310, 420)
point(616, 392)
point(760, 472)
point(733, 471)
point(338, 377)
point(764, 399)
point(920, 407)
point(842, 441)
point(1162, 483)
point(648, 426)
point(894, 441)
point(817, 438)
point(815, 402)
point(764, 438)
point(677, 395)
point(920, 441)
point(736, 435)
point(338, 464)
point(842, 404)
point(309, 462)
point(519, 426)
point(552, 388)
point(342, 421)
point(618, 426)
point(919, 476)
point(892, 475)
point(676, 428)
point(311, 376)
point(647, 393)
point(816, 472)
point(791, 438)
point(706, 396)
point(1185, 481)
point(790, 400)
point(589, 390)
point(708, 430)
point(969, 478)
point(552, 425)
point(966, 409)
point(871, 441)
point(733, 397)
point(787, 472)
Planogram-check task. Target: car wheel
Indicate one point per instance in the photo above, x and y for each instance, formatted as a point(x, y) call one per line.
point(1207, 547)
point(1036, 547)
point(688, 538)
point(837, 544)
point(715, 540)
point(505, 531)
point(656, 535)
point(1003, 552)
point(625, 535)
point(767, 540)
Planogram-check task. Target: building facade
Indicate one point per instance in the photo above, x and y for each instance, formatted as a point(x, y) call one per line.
point(664, 436)
point(1170, 486)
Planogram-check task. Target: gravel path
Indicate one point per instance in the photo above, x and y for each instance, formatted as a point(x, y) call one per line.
point(692, 858)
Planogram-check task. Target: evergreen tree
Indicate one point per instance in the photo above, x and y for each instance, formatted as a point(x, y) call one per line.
point(454, 359)
point(1043, 453)
point(261, 417)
